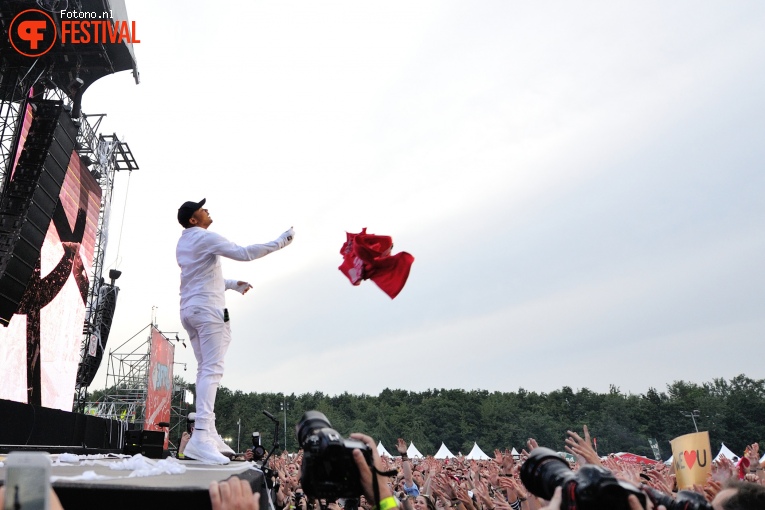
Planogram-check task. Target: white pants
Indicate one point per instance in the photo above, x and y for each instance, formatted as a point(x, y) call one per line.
point(209, 337)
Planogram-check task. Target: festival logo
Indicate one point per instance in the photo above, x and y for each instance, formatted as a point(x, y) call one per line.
point(33, 32)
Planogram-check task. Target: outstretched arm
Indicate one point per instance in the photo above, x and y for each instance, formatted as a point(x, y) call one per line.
point(405, 465)
point(219, 245)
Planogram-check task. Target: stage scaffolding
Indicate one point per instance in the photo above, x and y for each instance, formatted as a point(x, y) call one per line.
point(127, 384)
point(104, 155)
point(108, 155)
point(65, 73)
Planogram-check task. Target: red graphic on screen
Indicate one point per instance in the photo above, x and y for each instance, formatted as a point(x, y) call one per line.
point(42, 342)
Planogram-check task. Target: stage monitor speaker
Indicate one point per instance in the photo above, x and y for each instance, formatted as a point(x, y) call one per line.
point(29, 199)
point(146, 442)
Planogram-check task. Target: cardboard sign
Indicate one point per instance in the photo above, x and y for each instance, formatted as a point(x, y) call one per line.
point(692, 459)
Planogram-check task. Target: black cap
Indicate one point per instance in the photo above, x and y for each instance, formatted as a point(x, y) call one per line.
point(187, 210)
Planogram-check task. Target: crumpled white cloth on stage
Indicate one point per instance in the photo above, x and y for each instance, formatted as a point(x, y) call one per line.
point(138, 465)
point(141, 466)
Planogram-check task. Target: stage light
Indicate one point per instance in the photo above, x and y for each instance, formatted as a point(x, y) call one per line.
point(75, 85)
point(96, 174)
point(114, 274)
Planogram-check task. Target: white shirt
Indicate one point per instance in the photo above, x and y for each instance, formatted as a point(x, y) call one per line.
point(198, 254)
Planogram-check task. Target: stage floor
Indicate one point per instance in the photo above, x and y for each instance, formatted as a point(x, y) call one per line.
point(111, 481)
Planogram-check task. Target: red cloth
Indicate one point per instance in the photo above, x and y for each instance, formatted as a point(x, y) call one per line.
point(367, 257)
point(743, 467)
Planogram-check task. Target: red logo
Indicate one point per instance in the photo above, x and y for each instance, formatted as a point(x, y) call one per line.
point(32, 33)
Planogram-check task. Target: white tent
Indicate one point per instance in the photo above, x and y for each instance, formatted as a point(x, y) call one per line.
point(725, 452)
point(413, 452)
point(443, 453)
point(515, 454)
point(381, 450)
point(477, 454)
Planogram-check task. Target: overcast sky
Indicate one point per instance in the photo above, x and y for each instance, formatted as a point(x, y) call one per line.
point(581, 185)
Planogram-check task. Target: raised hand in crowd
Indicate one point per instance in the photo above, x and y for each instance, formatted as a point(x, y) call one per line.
point(755, 467)
point(723, 469)
point(481, 493)
point(711, 489)
point(661, 480)
point(530, 445)
point(234, 494)
point(401, 447)
point(505, 460)
point(513, 488)
point(462, 495)
point(582, 447)
point(752, 453)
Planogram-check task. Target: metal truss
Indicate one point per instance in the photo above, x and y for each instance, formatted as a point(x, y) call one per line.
point(127, 382)
point(107, 155)
point(178, 411)
point(127, 386)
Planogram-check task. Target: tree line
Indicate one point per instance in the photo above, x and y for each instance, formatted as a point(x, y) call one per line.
point(732, 411)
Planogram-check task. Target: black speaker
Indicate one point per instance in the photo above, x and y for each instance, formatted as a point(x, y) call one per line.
point(146, 442)
point(30, 197)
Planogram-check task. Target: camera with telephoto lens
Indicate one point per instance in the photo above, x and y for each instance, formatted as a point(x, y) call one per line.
point(685, 500)
point(328, 470)
point(594, 487)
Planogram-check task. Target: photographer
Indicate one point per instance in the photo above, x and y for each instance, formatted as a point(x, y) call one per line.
point(366, 476)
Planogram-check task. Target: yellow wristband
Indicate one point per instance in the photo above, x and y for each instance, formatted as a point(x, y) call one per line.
point(387, 503)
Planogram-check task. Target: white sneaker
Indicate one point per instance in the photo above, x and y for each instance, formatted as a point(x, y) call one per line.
point(204, 451)
point(223, 448)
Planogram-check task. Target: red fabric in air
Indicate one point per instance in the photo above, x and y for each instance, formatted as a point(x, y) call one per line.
point(367, 257)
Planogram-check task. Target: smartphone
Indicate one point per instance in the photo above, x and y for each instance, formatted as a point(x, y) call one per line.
point(27, 481)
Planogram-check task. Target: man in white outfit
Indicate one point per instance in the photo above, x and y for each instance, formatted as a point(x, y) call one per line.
point(205, 318)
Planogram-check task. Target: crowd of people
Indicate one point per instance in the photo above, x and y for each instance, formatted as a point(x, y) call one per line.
point(461, 484)
point(393, 483)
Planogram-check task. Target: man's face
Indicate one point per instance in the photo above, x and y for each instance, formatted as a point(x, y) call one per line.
point(201, 218)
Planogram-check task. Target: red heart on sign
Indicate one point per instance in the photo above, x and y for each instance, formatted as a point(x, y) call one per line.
point(690, 458)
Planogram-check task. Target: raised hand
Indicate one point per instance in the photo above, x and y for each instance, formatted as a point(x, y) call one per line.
point(582, 447)
point(401, 446)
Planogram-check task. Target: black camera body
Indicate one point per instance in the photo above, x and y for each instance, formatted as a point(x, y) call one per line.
point(258, 452)
point(593, 487)
point(328, 470)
